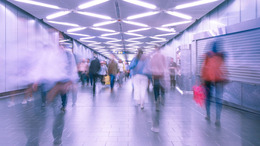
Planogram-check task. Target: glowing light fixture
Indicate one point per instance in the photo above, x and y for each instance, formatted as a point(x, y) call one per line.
point(76, 29)
point(142, 4)
point(135, 23)
point(38, 4)
point(105, 23)
point(176, 23)
point(78, 34)
point(55, 15)
point(63, 23)
point(91, 4)
point(102, 29)
point(159, 41)
point(142, 15)
point(136, 38)
point(107, 38)
point(133, 34)
point(114, 41)
point(94, 15)
point(166, 34)
point(87, 38)
point(177, 14)
point(109, 34)
point(165, 29)
point(158, 38)
point(192, 4)
point(141, 29)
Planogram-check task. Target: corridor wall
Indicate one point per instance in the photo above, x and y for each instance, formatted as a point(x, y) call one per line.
point(230, 13)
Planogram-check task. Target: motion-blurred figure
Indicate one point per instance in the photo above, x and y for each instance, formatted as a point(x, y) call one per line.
point(112, 71)
point(82, 68)
point(103, 72)
point(172, 68)
point(93, 71)
point(158, 69)
point(213, 75)
point(121, 69)
point(140, 79)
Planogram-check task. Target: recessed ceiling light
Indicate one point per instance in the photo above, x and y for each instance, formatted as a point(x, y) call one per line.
point(176, 23)
point(55, 15)
point(109, 34)
point(166, 29)
point(142, 4)
point(114, 41)
point(94, 15)
point(177, 14)
point(141, 29)
point(102, 29)
point(158, 38)
point(192, 4)
point(78, 34)
point(38, 4)
point(135, 23)
point(87, 38)
point(136, 38)
point(76, 29)
point(107, 38)
point(132, 41)
point(133, 34)
point(166, 34)
point(104, 23)
point(142, 15)
point(91, 4)
point(63, 23)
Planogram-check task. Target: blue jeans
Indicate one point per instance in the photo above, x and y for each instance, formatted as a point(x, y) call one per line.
point(218, 99)
point(112, 80)
point(157, 88)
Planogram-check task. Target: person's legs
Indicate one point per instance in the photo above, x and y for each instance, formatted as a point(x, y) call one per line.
point(156, 88)
point(87, 78)
point(74, 93)
point(94, 83)
point(208, 86)
point(112, 80)
point(143, 89)
point(219, 94)
point(64, 101)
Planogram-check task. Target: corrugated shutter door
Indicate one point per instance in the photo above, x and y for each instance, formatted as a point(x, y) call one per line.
point(242, 55)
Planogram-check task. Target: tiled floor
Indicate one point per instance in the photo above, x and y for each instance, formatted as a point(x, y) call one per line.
point(113, 119)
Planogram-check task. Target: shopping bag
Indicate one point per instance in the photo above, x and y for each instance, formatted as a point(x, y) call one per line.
point(107, 80)
point(199, 94)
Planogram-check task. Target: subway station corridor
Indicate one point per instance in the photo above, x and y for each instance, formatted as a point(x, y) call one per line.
point(113, 119)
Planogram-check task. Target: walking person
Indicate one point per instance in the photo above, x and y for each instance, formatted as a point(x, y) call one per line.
point(93, 71)
point(112, 71)
point(140, 78)
point(213, 75)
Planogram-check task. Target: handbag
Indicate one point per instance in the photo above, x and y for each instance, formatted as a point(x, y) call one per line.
point(199, 94)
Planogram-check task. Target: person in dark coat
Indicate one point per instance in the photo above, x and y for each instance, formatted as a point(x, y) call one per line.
point(94, 70)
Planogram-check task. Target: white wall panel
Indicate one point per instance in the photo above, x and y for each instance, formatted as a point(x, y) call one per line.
point(223, 14)
point(11, 48)
point(2, 46)
point(248, 10)
point(234, 12)
point(258, 8)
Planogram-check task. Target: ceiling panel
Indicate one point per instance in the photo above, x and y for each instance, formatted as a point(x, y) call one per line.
point(118, 12)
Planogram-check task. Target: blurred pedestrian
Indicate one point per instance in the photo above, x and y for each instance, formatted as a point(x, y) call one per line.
point(82, 67)
point(172, 68)
point(112, 71)
point(121, 70)
point(213, 75)
point(103, 72)
point(93, 71)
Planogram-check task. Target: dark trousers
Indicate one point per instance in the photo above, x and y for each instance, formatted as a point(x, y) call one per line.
point(112, 80)
point(63, 99)
point(158, 88)
point(173, 82)
point(94, 77)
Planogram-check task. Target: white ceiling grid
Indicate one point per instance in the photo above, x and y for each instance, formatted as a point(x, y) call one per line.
point(111, 26)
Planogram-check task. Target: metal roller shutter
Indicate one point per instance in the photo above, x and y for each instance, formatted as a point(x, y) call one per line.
point(242, 51)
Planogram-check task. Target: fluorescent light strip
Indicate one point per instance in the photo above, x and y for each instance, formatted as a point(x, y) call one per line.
point(192, 4)
point(159, 41)
point(55, 15)
point(102, 29)
point(38, 4)
point(141, 29)
point(132, 41)
point(136, 38)
point(87, 38)
point(94, 15)
point(91, 4)
point(176, 23)
point(166, 34)
point(135, 23)
point(109, 34)
point(177, 14)
point(114, 41)
point(165, 29)
point(107, 38)
point(133, 34)
point(142, 4)
point(158, 38)
point(78, 34)
point(76, 29)
point(63, 23)
point(105, 23)
point(142, 15)
point(64, 40)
